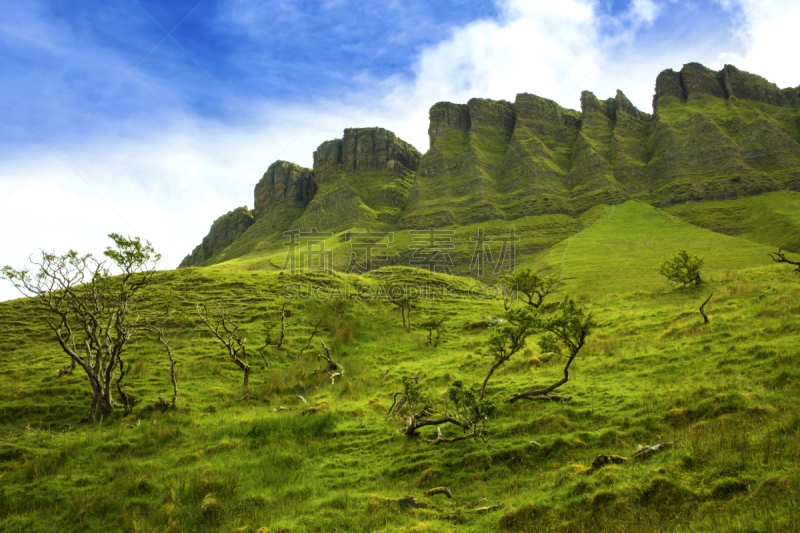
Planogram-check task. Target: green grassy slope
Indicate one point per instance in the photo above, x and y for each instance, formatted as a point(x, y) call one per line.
point(651, 373)
point(607, 248)
point(622, 249)
point(772, 218)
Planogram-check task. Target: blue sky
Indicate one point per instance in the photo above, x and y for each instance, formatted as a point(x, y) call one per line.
point(59, 59)
point(158, 135)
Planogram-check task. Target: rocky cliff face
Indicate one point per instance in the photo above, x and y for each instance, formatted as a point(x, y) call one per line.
point(446, 119)
point(712, 135)
point(364, 177)
point(365, 150)
point(694, 81)
point(284, 183)
point(224, 231)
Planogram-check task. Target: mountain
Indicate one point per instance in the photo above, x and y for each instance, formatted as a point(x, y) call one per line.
point(712, 136)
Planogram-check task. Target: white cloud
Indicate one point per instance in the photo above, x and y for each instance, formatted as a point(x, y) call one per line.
point(645, 11)
point(769, 32)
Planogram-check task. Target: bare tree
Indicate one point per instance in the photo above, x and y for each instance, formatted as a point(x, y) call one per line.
point(334, 369)
point(780, 257)
point(534, 287)
point(403, 302)
point(92, 312)
point(509, 339)
point(226, 332)
point(702, 307)
point(158, 328)
point(566, 335)
point(282, 334)
point(284, 314)
point(311, 337)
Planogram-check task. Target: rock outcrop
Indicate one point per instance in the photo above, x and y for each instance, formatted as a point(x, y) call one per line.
point(499, 116)
point(700, 82)
point(446, 119)
point(695, 81)
point(224, 231)
point(365, 150)
point(753, 87)
point(284, 183)
point(376, 149)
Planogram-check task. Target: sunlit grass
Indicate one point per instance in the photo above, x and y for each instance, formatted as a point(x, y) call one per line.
point(226, 461)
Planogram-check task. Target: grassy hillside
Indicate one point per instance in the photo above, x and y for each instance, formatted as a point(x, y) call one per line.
point(225, 460)
point(608, 248)
point(622, 249)
point(772, 218)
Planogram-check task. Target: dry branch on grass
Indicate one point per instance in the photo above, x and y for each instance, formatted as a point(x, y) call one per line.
point(780, 257)
point(331, 366)
point(642, 452)
point(487, 509)
point(410, 501)
point(439, 490)
point(334, 369)
point(475, 503)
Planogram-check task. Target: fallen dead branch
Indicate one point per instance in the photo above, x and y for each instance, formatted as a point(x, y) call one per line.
point(602, 460)
point(332, 366)
point(410, 501)
point(780, 257)
point(488, 509)
point(439, 490)
point(440, 439)
point(642, 452)
point(475, 503)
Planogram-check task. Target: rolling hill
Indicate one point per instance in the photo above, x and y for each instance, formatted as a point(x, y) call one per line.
point(597, 199)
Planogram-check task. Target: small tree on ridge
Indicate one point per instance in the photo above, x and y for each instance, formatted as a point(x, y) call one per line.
point(682, 268)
